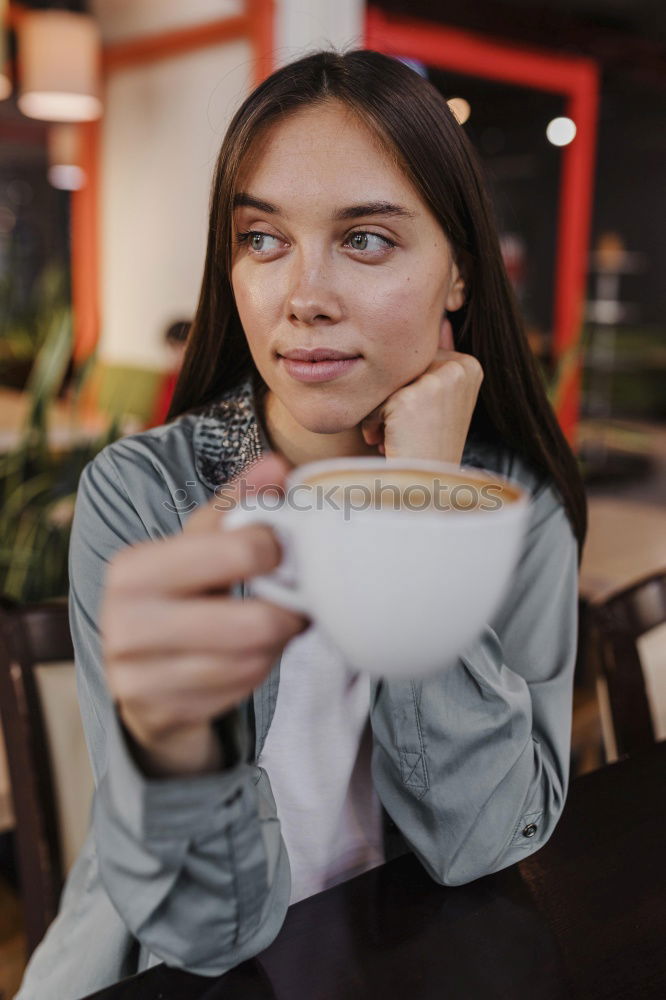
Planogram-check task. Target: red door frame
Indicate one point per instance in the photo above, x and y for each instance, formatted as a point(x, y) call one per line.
point(575, 78)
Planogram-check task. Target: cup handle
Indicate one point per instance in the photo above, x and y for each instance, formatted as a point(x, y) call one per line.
point(279, 587)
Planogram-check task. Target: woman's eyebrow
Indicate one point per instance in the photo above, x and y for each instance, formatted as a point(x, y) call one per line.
point(242, 199)
point(373, 208)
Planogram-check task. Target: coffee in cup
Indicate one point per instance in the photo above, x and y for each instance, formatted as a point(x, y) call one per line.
point(400, 562)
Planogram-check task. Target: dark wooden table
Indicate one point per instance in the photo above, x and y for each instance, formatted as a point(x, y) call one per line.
point(582, 919)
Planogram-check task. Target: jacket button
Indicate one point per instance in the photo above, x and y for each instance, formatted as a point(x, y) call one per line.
point(530, 830)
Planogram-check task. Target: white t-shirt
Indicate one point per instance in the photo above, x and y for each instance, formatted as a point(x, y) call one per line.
point(317, 757)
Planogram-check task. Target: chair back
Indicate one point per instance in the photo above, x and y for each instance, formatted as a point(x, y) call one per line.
point(50, 776)
point(6, 807)
point(628, 644)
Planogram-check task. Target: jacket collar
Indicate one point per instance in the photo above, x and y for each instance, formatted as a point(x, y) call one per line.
point(228, 438)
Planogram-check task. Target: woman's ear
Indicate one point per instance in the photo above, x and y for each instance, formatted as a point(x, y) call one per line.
point(456, 294)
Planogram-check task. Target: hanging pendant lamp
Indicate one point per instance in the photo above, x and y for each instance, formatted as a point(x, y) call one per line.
point(59, 60)
point(64, 151)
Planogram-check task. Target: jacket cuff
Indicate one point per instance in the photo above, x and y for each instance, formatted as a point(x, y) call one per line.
point(172, 808)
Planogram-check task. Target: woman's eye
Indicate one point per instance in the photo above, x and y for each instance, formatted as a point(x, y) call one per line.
point(261, 244)
point(258, 242)
point(369, 241)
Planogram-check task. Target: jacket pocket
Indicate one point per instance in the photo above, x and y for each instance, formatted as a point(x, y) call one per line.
point(408, 735)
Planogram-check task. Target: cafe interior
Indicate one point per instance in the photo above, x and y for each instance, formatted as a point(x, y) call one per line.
point(111, 115)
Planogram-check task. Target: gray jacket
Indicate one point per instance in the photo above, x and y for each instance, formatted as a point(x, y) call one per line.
point(471, 765)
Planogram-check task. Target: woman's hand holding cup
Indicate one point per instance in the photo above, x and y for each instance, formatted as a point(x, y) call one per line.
point(178, 649)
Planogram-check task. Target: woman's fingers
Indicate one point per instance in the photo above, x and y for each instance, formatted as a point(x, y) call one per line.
point(133, 628)
point(202, 557)
point(178, 650)
point(187, 681)
point(174, 729)
point(269, 471)
point(372, 427)
point(185, 564)
point(175, 668)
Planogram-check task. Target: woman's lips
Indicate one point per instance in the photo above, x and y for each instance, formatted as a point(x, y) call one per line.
point(317, 371)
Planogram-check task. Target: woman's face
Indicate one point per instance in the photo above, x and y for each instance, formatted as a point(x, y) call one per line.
point(343, 254)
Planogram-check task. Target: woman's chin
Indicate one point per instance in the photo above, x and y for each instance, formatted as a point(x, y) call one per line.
point(317, 416)
point(327, 416)
point(326, 424)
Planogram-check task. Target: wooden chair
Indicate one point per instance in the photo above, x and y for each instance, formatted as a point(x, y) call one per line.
point(587, 748)
point(618, 629)
point(49, 772)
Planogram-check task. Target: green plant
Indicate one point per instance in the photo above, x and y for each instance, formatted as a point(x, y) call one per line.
point(557, 379)
point(25, 312)
point(38, 480)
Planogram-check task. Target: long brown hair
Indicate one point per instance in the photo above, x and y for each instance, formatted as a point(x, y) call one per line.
point(414, 123)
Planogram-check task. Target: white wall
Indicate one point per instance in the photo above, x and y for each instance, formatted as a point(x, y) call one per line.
point(123, 19)
point(162, 129)
point(303, 25)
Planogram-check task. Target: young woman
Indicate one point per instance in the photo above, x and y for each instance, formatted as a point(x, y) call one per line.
point(239, 764)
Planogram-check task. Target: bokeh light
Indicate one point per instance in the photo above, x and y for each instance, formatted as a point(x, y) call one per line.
point(561, 131)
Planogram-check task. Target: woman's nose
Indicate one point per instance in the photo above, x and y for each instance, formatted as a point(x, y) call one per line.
point(312, 296)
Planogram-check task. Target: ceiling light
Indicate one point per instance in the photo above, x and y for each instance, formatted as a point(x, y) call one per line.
point(561, 131)
point(59, 59)
point(460, 108)
point(66, 177)
point(64, 151)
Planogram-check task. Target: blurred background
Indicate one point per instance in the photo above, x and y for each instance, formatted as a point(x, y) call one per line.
point(111, 115)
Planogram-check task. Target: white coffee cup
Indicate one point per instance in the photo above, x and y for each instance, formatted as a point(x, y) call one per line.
point(400, 587)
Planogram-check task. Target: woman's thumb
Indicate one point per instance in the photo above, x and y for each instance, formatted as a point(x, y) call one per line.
point(267, 475)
